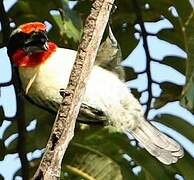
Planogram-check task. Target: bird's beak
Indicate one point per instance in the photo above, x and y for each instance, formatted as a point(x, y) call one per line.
point(37, 42)
point(35, 49)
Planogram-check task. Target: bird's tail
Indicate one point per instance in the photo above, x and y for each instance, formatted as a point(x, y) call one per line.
point(158, 144)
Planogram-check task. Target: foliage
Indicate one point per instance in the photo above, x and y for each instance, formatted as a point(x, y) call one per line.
point(99, 153)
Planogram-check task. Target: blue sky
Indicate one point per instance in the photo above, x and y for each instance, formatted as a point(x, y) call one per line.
point(136, 59)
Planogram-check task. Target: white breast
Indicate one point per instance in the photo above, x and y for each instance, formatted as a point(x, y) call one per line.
point(103, 87)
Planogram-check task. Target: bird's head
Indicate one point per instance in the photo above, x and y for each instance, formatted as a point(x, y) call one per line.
point(29, 46)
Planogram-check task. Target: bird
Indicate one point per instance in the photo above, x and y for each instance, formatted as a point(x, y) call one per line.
point(44, 68)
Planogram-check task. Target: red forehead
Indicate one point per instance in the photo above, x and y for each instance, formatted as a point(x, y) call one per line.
point(29, 27)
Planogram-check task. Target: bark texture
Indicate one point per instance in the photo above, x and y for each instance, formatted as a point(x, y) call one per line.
point(63, 128)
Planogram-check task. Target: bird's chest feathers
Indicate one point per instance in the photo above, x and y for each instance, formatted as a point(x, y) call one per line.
point(46, 79)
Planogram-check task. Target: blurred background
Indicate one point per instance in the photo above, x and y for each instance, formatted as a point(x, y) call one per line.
point(157, 44)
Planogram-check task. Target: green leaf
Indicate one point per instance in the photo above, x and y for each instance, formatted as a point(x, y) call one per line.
point(145, 160)
point(2, 116)
point(184, 9)
point(129, 73)
point(170, 92)
point(187, 99)
point(33, 165)
point(173, 35)
point(185, 166)
point(2, 150)
point(189, 26)
point(91, 164)
point(70, 25)
point(10, 130)
point(37, 138)
point(123, 30)
point(122, 21)
point(115, 145)
point(177, 63)
point(184, 37)
point(136, 93)
point(27, 11)
point(188, 96)
point(91, 141)
point(94, 151)
point(178, 124)
point(1, 39)
point(67, 28)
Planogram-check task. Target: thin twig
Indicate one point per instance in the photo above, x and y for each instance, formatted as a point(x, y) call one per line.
point(20, 118)
point(148, 56)
point(5, 28)
point(63, 129)
point(21, 144)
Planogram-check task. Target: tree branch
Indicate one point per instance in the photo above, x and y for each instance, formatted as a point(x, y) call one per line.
point(21, 126)
point(63, 129)
point(5, 28)
point(148, 56)
point(19, 118)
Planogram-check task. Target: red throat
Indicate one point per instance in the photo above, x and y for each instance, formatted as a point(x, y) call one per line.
point(20, 58)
